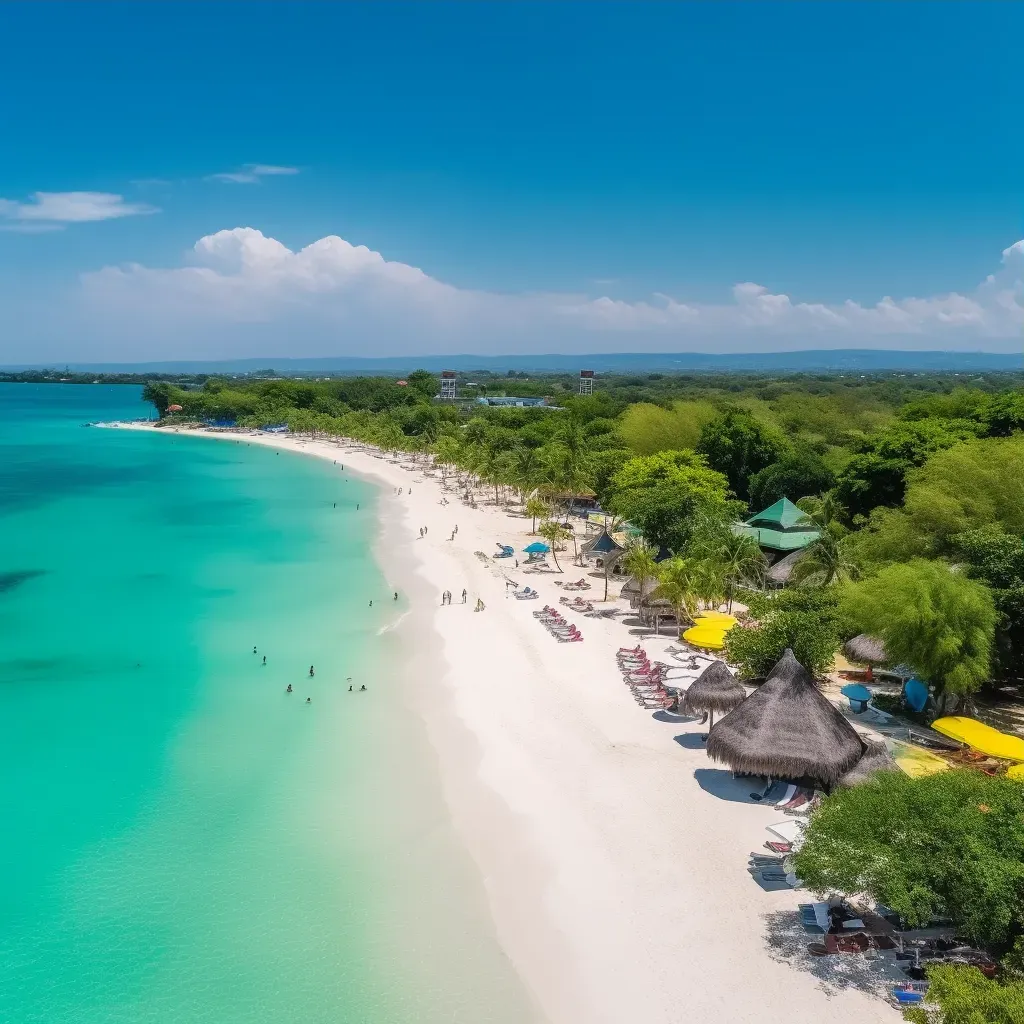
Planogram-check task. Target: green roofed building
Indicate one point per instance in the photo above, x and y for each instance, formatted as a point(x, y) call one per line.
point(783, 527)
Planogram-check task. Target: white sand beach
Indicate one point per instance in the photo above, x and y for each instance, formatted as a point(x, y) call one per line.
point(613, 851)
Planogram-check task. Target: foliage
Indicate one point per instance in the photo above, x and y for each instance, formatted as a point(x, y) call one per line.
point(671, 497)
point(536, 509)
point(638, 561)
point(825, 561)
point(965, 996)
point(877, 474)
point(801, 619)
point(648, 429)
point(937, 621)
point(794, 476)
point(679, 583)
point(553, 533)
point(738, 446)
point(738, 562)
point(159, 394)
point(997, 560)
point(949, 844)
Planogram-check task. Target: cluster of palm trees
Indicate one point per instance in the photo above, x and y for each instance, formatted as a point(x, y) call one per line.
point(709, 574)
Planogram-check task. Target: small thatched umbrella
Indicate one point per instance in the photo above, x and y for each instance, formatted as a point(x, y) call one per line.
point(715, 689)
point(787, 729)
point(866, 650)
point(876, 759)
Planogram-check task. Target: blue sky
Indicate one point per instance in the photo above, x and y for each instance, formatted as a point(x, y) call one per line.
point(588, 176)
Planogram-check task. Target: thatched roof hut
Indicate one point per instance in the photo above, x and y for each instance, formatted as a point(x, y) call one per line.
point(715, 689)
point(787, 729)
point(631, 590)
point(876, 759)
point(868, 650)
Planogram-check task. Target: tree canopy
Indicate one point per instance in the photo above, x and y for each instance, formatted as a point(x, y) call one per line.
point(949, 844)
point(738, 445)
point(929, 617)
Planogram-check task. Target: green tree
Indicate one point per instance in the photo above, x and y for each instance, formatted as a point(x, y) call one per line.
point(671, 497)
point(937, 621)
point(738, 446)
point(552, 532)
point(679, 583)
point(741, 564)
point(877, 474)
point(159, 393)
point(997, 560)
point(949, 844)
point(965, 996)
point(424, 383)
point(639, 561)
point(794, 476)
point(648, 429)
point(805, 621)
point(536, 509)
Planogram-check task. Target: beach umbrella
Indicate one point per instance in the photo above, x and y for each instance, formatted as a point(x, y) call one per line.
point(715, 689)
point(876, 759)
point(787, 729)
point(536, 548)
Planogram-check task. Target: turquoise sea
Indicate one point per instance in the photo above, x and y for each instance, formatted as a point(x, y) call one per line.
point(183, 841)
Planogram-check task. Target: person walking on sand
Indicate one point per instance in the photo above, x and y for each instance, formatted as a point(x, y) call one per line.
point(463, 595)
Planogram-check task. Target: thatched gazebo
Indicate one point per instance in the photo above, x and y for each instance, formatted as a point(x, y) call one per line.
point(866, 650)
point(787, 729)
point(876, 759)
point(715, 689)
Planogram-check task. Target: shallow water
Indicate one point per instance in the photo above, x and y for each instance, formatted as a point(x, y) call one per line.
point(184, 841)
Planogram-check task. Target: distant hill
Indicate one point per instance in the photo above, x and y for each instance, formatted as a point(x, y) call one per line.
point(815, 361)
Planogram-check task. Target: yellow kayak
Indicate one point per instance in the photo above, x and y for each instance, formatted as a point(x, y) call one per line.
point(981, 737)
point(709, 629)
point(916, 761)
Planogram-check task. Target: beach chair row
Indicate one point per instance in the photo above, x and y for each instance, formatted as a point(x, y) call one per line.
point(562, 630)
point(645, 679)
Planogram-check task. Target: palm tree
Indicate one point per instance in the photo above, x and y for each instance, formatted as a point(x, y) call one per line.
point(824, 561)
point(536, 509)
point(741, 562)
point(676, 584)
point(552, 532)
point(639, 562)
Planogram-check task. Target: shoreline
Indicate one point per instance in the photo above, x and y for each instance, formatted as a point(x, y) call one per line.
point(613, 853)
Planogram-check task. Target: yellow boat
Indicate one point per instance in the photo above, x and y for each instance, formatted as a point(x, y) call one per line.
point(709, 629)
point(981, 737)
point(916, 761)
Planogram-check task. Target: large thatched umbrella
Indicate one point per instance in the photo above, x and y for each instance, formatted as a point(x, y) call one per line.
point(715, 689)
point(866, 650)
point(787, 729)
point(876, 759)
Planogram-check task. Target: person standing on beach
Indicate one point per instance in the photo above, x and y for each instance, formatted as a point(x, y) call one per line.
point(463, 595)
point(311, 673)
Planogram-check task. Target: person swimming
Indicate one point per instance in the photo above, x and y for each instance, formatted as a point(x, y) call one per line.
point(363, 687)
point(288, 689)
point(349, 687)
point(254, 650)
point(264, 659)
point(309, 700)
point(311, 672)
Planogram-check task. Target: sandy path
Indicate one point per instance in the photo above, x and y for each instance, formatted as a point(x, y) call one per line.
point(614, 853)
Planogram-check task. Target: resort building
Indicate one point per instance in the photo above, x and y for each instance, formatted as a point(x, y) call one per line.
point(780, 529)
point(586, 382)
point(500, 400)
point(448, 385)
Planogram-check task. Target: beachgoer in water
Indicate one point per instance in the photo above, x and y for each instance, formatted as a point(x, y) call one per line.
point(396, 595)
point(254, 650)
point(371, 604)
point(289, 688)
point(357, 508)
point(309, 700)
point(363, 687)
point(311, 671)
point(349, 687)
point(264, 659)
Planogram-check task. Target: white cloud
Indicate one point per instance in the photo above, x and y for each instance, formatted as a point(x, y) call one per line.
point(251, 173)
point(59, 208)
point(242, 293)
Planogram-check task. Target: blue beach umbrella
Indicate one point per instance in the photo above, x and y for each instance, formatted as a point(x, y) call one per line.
point(536, 548)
